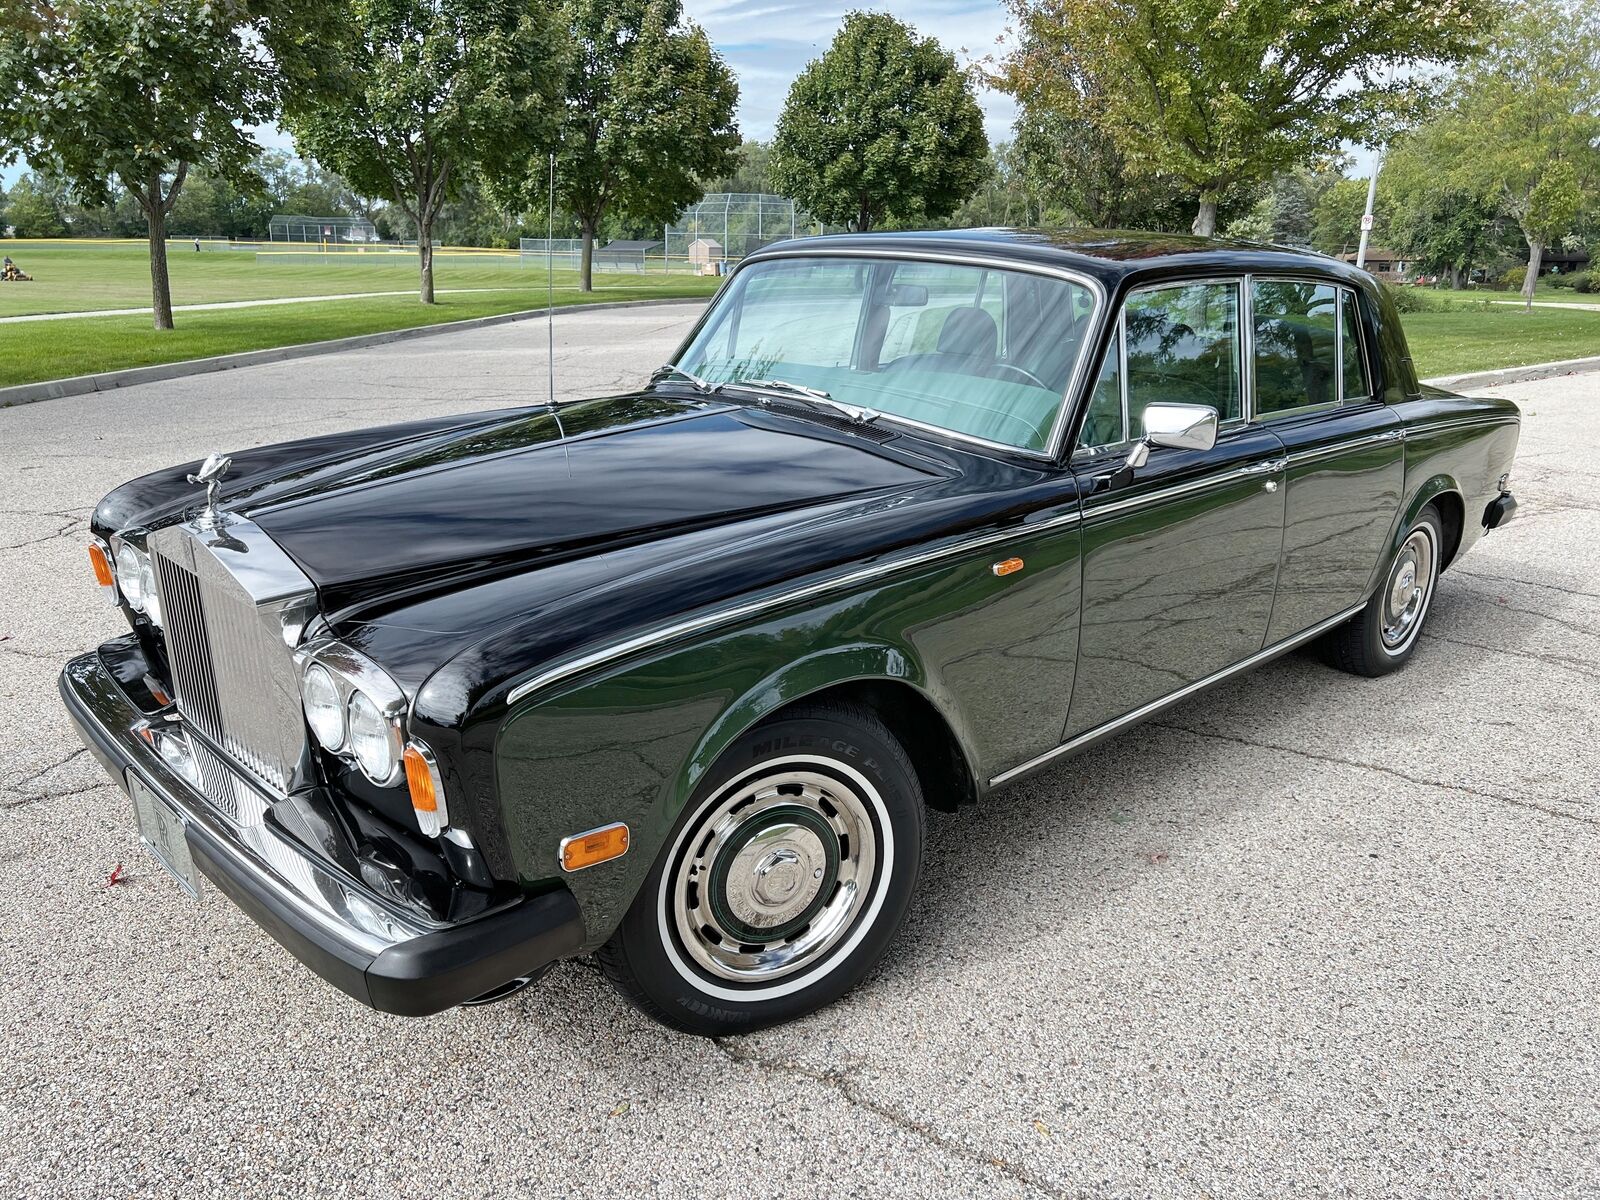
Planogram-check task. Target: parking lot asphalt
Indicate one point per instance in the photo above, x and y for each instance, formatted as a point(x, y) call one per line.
point(1305, 935)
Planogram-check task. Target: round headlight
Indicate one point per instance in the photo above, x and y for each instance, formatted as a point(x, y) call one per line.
point(149, 598)
point(324, 713)
point(128, 576)
point(371, 740)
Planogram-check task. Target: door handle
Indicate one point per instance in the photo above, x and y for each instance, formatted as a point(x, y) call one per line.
point(1268, 467)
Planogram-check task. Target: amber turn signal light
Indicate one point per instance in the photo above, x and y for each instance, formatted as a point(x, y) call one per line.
point(102, 566)
point(595, 846)
point(419, 781)
point(1008, 566)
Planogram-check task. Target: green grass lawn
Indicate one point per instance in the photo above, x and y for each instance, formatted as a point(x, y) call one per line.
point(1455, 341)
point(1541, 294)
point(83, 276)
point(57, 349)
point(75, 277)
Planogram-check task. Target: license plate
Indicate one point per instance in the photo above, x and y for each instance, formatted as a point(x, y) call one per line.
point(161, 831)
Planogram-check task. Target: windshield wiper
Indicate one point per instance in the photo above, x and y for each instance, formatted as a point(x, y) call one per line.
point(857, 413)
point(704, 386)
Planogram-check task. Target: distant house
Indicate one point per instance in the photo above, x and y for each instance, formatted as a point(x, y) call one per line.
point(1385, 264)
point(1563, 262)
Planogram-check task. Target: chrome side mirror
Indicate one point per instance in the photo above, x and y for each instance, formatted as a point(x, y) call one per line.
point(1181, 426)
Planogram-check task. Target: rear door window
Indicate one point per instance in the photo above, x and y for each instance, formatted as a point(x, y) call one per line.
point(1295, 323)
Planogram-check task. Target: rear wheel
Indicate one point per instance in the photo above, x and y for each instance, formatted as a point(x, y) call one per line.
point(1381, 637)
point(783, 881)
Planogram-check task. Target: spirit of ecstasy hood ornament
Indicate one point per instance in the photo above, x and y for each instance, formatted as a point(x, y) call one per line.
point(210, 473)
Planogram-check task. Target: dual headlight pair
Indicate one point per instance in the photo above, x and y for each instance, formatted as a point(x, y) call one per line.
point(355, 711)
point(360, 723)
point(136, 580)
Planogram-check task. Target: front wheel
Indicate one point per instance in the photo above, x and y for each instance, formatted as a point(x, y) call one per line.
point(783, 881)
point(1381, 637)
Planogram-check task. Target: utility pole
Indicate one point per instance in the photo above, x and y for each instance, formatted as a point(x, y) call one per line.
point(1366, 217)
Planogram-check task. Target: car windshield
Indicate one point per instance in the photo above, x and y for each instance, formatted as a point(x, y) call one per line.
point(975, 350)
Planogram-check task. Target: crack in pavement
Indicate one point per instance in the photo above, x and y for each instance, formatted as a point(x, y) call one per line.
point(1317, 756)
point(1500, 604)
point(840, 1082)
point(1554, 587)
point(1560, 661)
point(16, 787)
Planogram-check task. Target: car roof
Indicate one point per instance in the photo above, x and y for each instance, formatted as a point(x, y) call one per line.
point(1113, 256)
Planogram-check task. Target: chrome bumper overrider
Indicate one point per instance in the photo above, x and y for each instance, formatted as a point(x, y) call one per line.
point(386, 957)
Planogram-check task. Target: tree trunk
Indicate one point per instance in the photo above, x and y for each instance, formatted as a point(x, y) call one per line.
point(864, 216)
point(1455, 278)
point(425, 259)
point(160, 285)
point(586, 259)
point(1205, 221)
point(1535, 261)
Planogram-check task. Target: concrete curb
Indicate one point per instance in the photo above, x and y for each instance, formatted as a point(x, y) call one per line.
point(79, 385)
point(1479, 379)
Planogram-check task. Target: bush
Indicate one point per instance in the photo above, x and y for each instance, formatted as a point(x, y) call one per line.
point(1513, 279)
point(1584, 282)
point(1413, 299)
point(1564, 280)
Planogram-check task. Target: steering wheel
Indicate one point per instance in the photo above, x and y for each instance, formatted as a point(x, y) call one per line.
point(1026, 376)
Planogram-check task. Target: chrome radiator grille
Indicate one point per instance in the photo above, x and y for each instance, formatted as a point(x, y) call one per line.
point(232, 674)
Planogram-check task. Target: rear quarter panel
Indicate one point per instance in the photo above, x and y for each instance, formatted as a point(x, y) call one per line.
point(1459, 446)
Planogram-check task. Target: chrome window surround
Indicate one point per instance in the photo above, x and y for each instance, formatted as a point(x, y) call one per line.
point(1064, 408)
point(1247, 369)
point(1341, 400)
point(1241, 339)
point(352, 671)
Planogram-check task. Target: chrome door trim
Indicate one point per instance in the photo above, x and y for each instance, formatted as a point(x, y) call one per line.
point(1372, 439)
point(1232, 475)
point(1052, 449)
point(1417, 427)
point(1148, 710)
point(737, 612)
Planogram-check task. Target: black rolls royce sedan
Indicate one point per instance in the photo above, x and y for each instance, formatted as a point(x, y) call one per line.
point(673, 677)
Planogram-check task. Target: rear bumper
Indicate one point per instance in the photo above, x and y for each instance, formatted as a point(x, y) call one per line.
point(386, 957)
point(1501, 509)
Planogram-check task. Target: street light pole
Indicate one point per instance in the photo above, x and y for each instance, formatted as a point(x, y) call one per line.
point(1366, 217)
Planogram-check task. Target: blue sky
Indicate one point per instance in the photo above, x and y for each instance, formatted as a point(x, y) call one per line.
point(768, 42)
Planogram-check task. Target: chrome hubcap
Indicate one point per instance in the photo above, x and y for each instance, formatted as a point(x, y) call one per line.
point(774, 876)
point(1410, 585)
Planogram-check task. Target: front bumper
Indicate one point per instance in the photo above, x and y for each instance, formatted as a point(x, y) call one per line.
point(387, 957)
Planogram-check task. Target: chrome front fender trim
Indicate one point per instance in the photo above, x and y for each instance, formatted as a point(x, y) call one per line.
point(1090, 736)
point(723, 616)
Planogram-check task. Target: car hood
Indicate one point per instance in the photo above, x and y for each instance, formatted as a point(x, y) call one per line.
point(373, 527)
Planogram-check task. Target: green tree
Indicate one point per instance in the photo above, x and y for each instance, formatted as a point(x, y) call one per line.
point(650, 111)
point(422, 94)
point(1226, 96)
point(748, 174)
point(1523, 126)
point(883, 125)
point(1336, 219)
point(134, 93)
point(34, 211)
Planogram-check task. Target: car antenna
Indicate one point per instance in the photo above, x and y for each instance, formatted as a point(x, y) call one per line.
point(550, 280)
point(550, 309)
